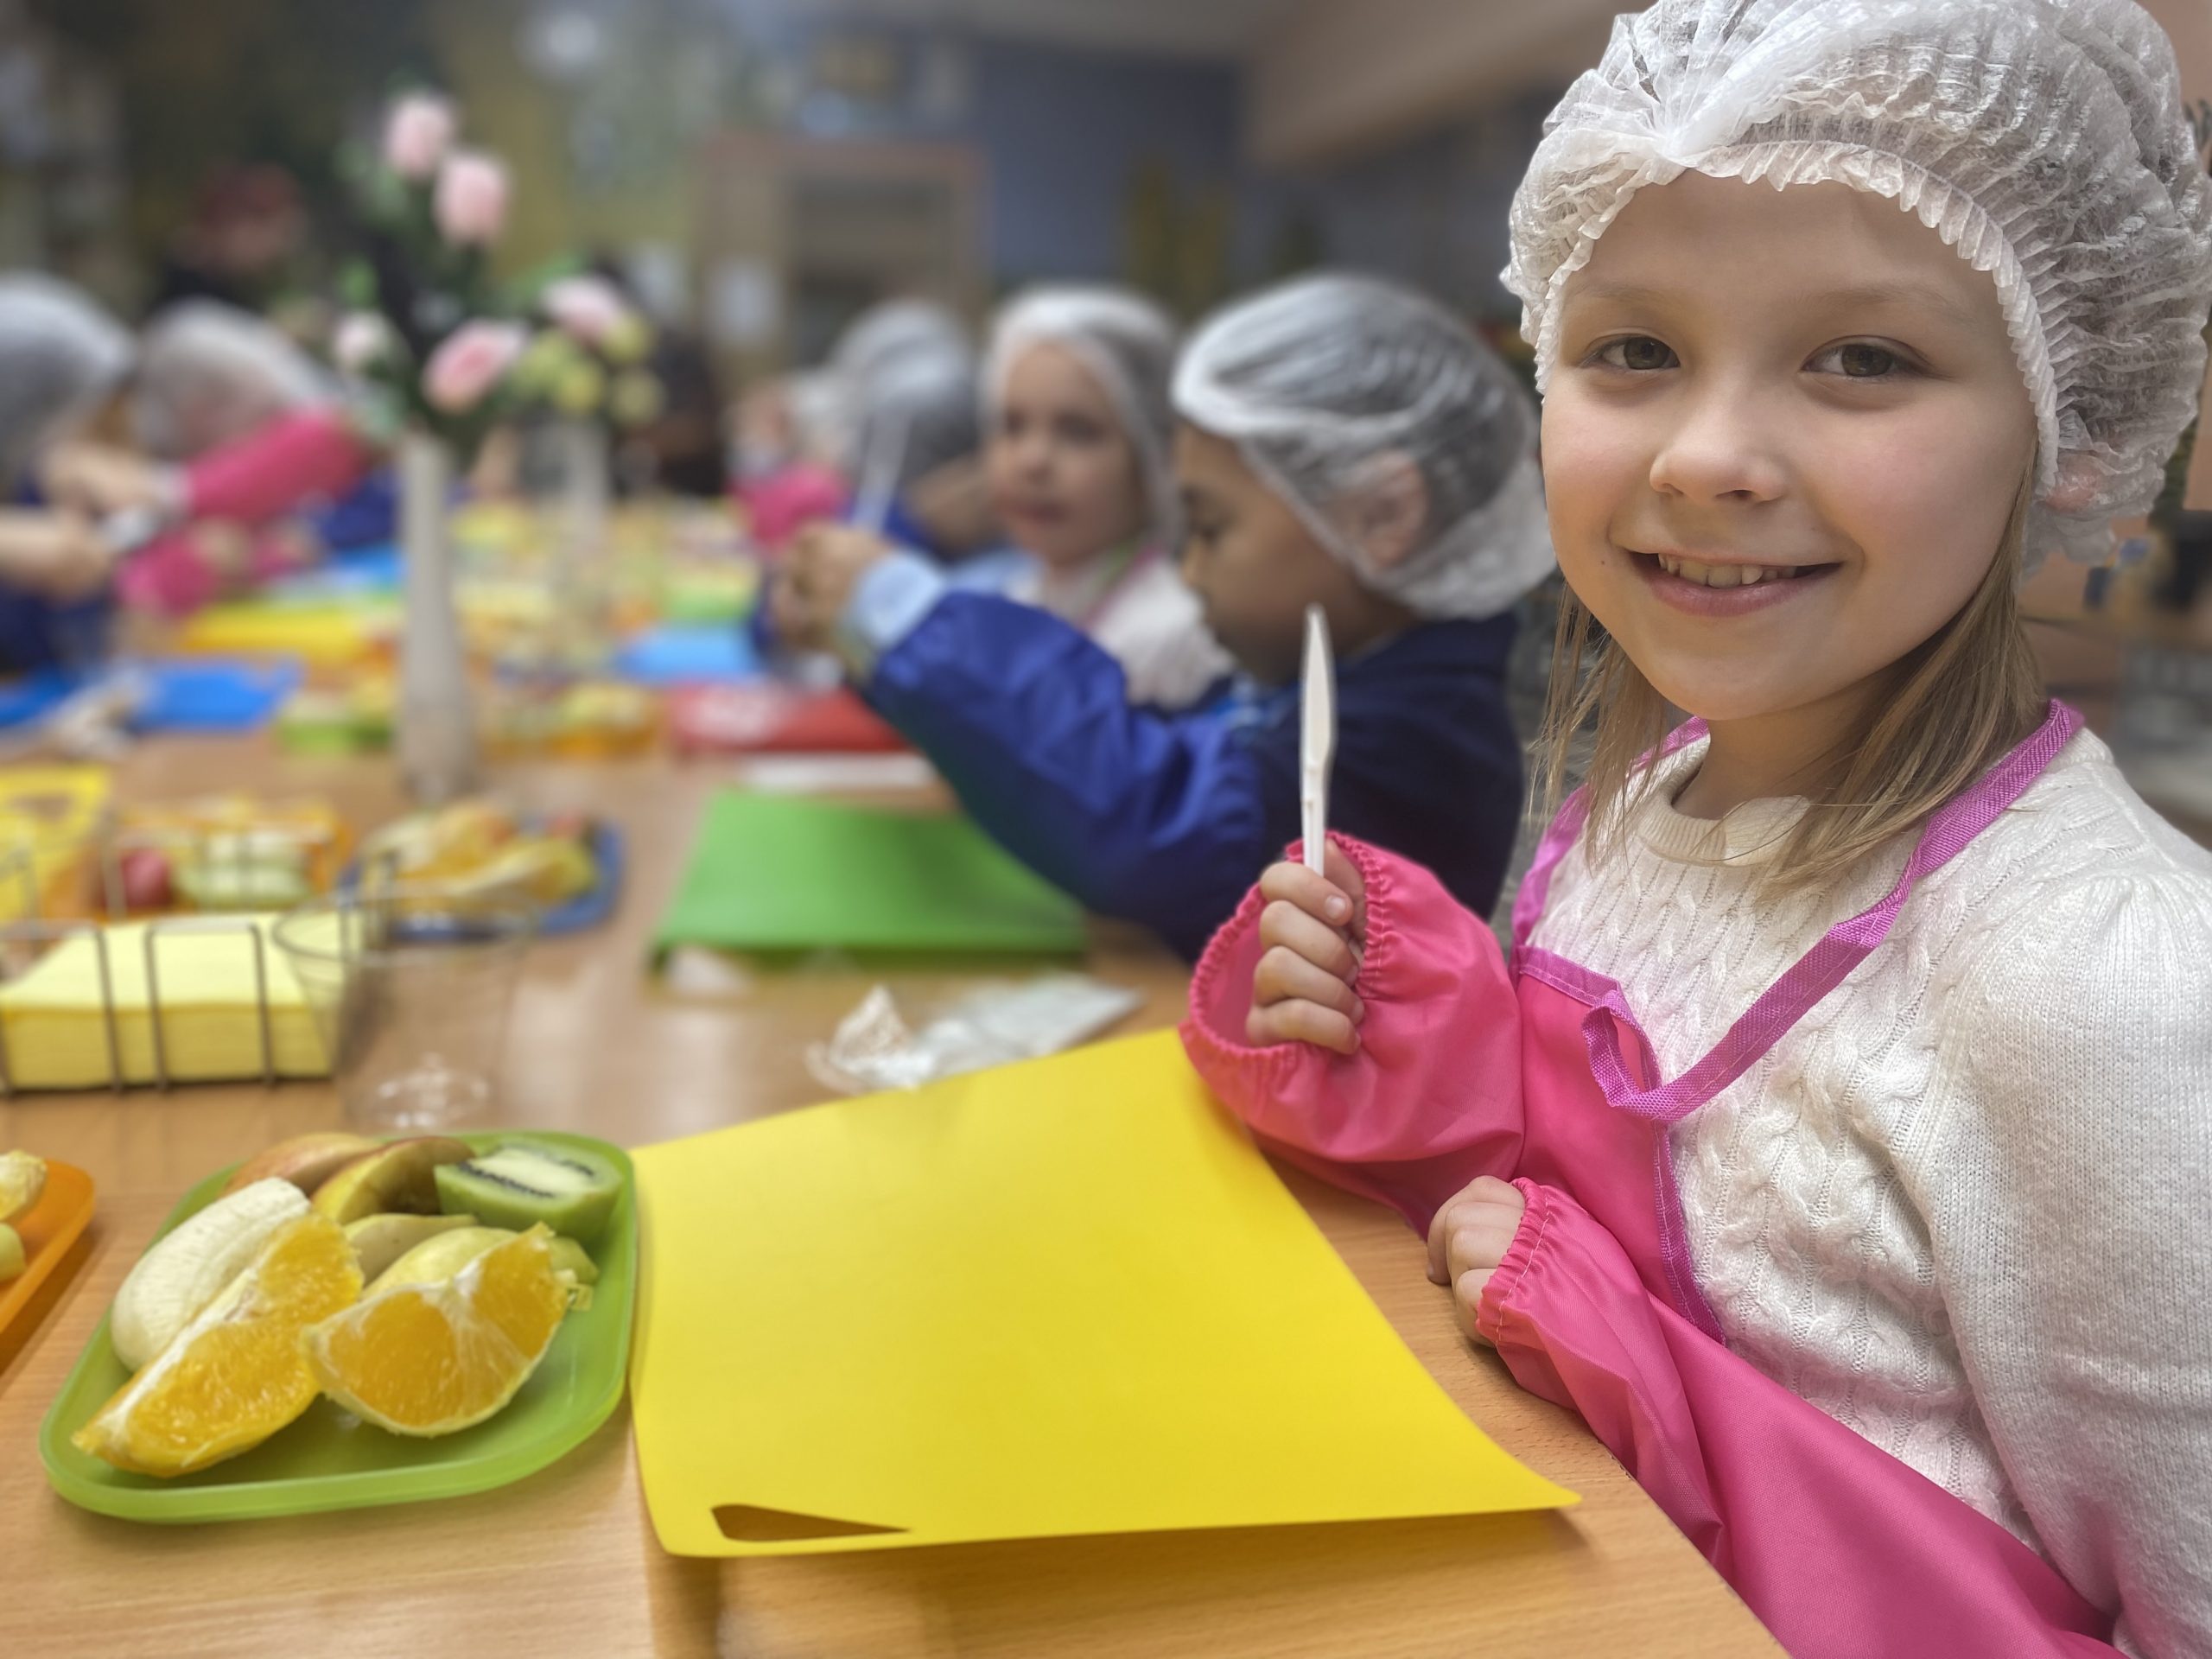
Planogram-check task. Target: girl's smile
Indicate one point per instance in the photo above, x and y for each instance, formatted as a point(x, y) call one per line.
point(1712, 586)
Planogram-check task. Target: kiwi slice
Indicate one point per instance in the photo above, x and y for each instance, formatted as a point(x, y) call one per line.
point(519, 1183)
point(13, 1260)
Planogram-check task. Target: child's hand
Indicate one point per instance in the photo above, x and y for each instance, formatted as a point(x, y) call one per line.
point(1468, 1239)
point(1315, 930)
point(819, 574)
point(98, 480)
point(57, 554)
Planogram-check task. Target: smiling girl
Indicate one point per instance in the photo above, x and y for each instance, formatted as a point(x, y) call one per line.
point(1078, 434)
point(1839, 1139)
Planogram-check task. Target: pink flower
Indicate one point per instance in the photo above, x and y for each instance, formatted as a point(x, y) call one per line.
point(587, 308)
point(471, 203)
point(363, 338)
point(416, 135)
point(468, 363)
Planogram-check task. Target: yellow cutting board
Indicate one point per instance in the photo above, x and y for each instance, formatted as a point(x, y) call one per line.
point(1060, 1298)
point(335, 635)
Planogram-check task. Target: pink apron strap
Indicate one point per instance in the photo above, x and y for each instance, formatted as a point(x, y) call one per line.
point(1821, 969)
point(1536, 885)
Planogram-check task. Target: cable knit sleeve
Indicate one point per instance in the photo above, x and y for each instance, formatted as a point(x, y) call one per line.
point(2069, 1212)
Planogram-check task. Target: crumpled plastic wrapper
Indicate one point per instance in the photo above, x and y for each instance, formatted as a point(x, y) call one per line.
point(93, 723)
point(875, 1049)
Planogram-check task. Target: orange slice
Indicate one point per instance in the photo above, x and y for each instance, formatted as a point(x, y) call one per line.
point(234, 1375)
point(430, 1359)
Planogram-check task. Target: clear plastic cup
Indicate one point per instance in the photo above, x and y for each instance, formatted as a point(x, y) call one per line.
point(410, 989)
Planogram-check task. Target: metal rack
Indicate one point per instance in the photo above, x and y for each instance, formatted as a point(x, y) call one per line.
point(111, 843)
point(50, 933)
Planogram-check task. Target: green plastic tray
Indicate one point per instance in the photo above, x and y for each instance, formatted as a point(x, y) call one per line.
point(329, 1460)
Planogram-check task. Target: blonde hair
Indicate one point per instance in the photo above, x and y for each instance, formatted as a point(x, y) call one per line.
point(1958, 703)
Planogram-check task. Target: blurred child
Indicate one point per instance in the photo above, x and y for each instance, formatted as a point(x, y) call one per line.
point(897, 395)
point(62, 358)
point(234, 427)
point(1838, 1142)
point(1345, 444)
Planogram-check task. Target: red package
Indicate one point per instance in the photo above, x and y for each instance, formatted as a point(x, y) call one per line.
point(775, 720)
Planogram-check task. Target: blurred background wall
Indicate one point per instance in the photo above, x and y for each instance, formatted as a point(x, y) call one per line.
point(764, 168)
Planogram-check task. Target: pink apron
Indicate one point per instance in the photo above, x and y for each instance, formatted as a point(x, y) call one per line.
point(1840, 1548)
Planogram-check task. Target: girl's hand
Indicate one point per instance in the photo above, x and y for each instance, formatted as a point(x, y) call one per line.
point(1468, 1239)
point(57, 554)
point(1314, 931)
point(98, 480)
point(819, 574)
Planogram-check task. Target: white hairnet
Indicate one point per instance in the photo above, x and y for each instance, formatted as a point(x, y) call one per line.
point(1318, 379)
point(901, 393)
point(1127, 345)
point(2043, 140)
point(890, 330)
point(811, 399)
point(59, 354)
point(919, 415)
point(209, 372)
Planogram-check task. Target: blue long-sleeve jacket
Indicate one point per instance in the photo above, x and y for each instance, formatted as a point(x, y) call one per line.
point(1169, 819)
point(37, 632)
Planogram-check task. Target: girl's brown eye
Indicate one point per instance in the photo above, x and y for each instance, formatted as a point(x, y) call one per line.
point(1639, 353)
point(1864, 362)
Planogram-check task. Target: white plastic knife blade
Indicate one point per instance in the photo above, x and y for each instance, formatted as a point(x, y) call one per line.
point(1317, 736)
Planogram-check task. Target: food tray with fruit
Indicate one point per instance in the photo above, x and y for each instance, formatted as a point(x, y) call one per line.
point(48, 816)
point(44, 1204)
point(219, 854)
point(568, 865)
point(340, 1323)
point(582, 719)
point(358, 718)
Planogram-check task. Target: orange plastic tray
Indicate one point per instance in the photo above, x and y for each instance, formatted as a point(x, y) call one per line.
point(48, 1228)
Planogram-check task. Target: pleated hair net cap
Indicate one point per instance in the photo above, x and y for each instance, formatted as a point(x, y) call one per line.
point(2043, 140)
point(901, 382)
point(200, 355)
point(892, 329)
point(1127, 344)
point(920, 410)
point(61, 352)
point(1322, 380)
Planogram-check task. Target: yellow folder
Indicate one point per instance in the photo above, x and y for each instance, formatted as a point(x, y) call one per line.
point(56, 1031)
point(1066, 1297)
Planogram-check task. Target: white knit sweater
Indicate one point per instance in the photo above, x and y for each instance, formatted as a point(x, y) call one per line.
point(1965, 1206)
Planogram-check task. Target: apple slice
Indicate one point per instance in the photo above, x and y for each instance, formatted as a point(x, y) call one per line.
point(380, 1239)
point(305, 1161)
point(399, 1177)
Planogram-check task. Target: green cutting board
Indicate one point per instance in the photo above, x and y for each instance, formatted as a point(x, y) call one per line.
point(774, 875)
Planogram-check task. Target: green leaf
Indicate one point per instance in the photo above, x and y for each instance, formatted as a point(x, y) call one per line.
point(357, 286)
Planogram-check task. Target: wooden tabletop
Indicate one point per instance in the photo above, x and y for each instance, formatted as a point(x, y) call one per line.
point(565, 1562)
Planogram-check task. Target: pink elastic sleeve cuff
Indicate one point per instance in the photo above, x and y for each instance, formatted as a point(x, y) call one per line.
point(1430, 1100)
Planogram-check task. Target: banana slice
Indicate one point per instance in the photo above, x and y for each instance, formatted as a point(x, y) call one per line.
point(189, 1268)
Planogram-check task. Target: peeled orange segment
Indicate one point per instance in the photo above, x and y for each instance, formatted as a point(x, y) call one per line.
point(429, 1359)
point(234, 1375)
